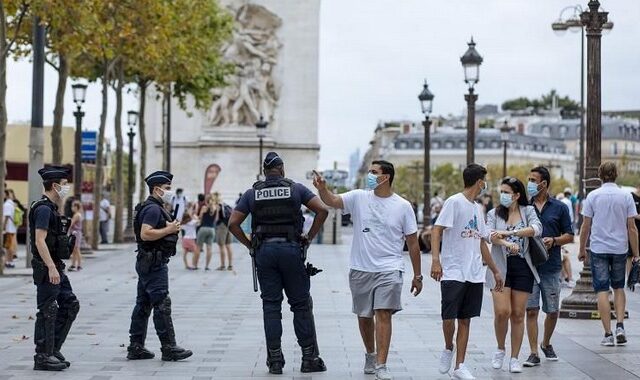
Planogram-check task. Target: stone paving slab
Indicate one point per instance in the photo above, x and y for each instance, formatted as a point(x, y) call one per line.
point(218, 316)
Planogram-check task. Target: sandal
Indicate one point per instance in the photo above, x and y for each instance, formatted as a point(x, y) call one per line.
point(71, 268)
point(230, 267)
point(221, 267)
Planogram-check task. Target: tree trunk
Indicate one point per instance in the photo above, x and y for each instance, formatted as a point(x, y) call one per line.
point(143, 84)
point(3, 112)
point(58, 111)
point(97, 186)
point(119, 201)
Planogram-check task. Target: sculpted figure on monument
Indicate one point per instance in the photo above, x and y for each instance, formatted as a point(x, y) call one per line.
point(251, 90)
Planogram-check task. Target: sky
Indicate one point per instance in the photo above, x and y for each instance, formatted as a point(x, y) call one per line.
point(375, 55)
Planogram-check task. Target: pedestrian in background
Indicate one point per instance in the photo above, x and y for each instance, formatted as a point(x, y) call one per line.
point(75, 228)
point(206, 231)
point(188, 223)
point(510, 226)
point(105, 217)
point(459, 269)
point(9, 230)
point(609, 220)
point(179, 201)
point(223, 236)
point(556, 232)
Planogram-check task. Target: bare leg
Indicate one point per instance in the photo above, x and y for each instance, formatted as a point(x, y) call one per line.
point(462, 338)
point(196, 257)
point(620, 302)
point(229, 255)
point(367, 332)
point(383, 334)
point(222, 259)
point(550, 322)
point(532, 329)
point(518, 310)
point(184, 258)
point(502, 311)
point(209, 253)
point(448, 329)
point(604, 308)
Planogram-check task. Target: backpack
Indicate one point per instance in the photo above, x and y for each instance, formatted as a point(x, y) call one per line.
point(226, 213)
point(18, 216)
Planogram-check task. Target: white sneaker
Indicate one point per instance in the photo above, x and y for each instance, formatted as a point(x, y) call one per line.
point(370, 363)
point(498, 359)
point(515, 366)
point(462, 373)
point(445, 360)
point(607, 341)
point(382, 372)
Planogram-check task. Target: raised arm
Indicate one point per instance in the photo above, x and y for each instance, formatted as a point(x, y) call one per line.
point(330, 199)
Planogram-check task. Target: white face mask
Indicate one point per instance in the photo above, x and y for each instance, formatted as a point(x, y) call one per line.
point(166, 196)
point(64, 191)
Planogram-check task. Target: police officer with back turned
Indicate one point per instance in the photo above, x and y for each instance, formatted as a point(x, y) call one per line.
point(57, 305)
point(156, 235)
point(279, 248)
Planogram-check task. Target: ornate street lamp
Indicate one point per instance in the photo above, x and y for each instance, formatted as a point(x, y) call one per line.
point(132, 121)
point(261, 127)
point(79, 92)
point(426, 105)
point(471, 61)
point(505, 132)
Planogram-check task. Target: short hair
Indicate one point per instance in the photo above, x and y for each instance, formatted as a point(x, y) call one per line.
point(7, 193)
point(48, 184)
point(544, 173)
point(200, 197)
point(387, 168)
point(179, 190)
point(472, 173)
point(608, 172)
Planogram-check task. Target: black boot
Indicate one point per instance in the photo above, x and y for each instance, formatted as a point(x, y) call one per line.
point(275, 361)
point(173, 352)
point(44, 362)
point(58, 355)
point(311, 362)
point(137, 351)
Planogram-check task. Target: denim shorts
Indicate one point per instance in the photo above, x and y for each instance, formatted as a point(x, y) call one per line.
point(549, 290)
point(608, 270)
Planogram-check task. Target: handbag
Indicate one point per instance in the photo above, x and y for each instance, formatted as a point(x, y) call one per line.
point(537, 250)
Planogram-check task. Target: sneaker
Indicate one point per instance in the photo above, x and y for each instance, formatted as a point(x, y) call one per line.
point(549, 353)
point(621, 337)
point(514, 366)
point(382, 372)
point(498, 359)
point(370, 363)
point(607, 341)
point(462, 373)
point(532, 361)
point(445, 361)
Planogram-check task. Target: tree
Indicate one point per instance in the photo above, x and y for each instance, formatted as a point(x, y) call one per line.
point(521, 172)
point(446, 179)
point(408, 182)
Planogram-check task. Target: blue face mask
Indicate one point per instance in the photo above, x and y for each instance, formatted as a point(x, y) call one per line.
point(372, 181)
point(532, 189)
point(506, 199)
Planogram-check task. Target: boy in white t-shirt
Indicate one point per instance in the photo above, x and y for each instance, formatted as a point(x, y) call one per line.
point(460, 266)
point(382, 221)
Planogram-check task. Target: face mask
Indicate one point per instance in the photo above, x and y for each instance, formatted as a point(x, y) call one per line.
point(166, 196)
point(64, 191)
point(483, 191)
point(506, 199)
point(372, 181)
point(532, 189)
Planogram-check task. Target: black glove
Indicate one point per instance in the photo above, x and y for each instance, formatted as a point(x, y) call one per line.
point(634, 275)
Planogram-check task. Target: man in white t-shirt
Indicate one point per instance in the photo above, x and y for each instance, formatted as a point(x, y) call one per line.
point(9, 241)
point(179, 200)
point(105, 216)
point(382, 221)
point(609, 220)
point(459, 268)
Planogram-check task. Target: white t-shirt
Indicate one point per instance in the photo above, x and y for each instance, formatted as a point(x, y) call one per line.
point(567, 201)
point(379, 229)
point(610, 207)
point(182, 201)
point(464, 228)
point(8, 209)
point(308, 222)
point(190, 229)
point(104, 205)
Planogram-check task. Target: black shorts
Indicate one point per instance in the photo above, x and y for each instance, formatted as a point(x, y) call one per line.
point(461, 300)
point(519, 275)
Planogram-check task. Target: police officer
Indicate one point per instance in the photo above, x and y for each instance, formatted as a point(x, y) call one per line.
point(278, 245)
point(156, 235)
point(57, 305)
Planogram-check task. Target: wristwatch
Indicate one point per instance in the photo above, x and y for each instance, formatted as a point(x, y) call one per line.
point(418, 278)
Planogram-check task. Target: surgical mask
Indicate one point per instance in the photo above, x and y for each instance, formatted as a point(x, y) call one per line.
point(506, 199)
point(532, 189)
point(166, 196)
point(372, 181)
point(64, 191)
point(483, 191)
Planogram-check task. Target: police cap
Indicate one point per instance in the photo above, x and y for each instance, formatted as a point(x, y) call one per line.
point(272, 160)
point(158, 178)
point(52, 173)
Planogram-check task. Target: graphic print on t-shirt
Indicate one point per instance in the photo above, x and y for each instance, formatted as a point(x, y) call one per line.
point(471, 230)
point(374, 221)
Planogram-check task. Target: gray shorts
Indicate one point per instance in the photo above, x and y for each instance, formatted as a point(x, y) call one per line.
point(206, 236)
point(372, 291)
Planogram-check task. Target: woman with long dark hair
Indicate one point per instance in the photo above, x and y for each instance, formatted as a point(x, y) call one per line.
point(511, 224)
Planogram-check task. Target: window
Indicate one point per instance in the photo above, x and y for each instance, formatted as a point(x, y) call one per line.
point(495, 144)
point(563, 131)
point(435, 145)
point(448, 144)
point(462, 145)
point(614, 149)
point(403, 145)
point(546, 131)
point(481, 144)
point(417, 145)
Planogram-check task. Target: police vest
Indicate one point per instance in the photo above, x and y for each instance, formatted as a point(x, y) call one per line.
point(276, 213)
point(168, 243)
point(58, 243)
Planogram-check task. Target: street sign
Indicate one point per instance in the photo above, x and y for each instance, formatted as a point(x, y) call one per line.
point(89, 145)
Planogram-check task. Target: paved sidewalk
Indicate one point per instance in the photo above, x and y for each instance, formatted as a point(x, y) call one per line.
point(218, 316)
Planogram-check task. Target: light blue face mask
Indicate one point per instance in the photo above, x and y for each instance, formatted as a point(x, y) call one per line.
point(506, 199)
point(532, 189)
point(372, 181)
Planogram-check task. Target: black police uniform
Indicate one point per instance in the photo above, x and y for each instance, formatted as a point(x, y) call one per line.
point(57, 305)
point(276, 237)
point(153, 280)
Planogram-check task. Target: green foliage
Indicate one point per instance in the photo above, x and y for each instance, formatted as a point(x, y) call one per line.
point(487, 123)
point(407, 182)
point(521, 172)
point(544, 102)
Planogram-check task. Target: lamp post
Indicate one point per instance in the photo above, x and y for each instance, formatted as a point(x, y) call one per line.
point(79, 91)
point(505, 131)
point(573, 23)
point(583, 301)
point(426, 105)
point(471, 61)
point(261, 126)
point(132, 121)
